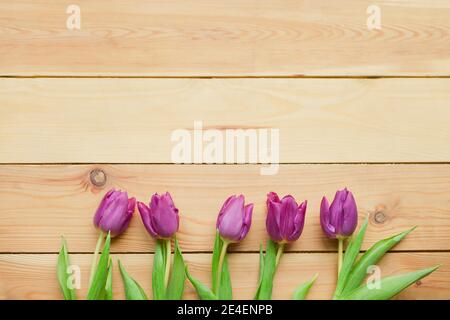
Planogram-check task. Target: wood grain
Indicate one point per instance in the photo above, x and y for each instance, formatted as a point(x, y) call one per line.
point(33, 276)
point(41, 203)
point(226, 38)
point(132, 120)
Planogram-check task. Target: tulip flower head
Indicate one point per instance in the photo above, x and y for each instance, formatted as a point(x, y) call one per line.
point(114, 212)
point(285, 218)
point(235, 218)
point(340, 219)
point(161, 217)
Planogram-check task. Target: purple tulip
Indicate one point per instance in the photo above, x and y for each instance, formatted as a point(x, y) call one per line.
point(160, 218)
point(235, 218)
point(114, 212)
point(340, 219)
point(285, 219)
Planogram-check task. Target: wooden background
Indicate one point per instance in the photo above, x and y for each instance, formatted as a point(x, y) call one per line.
point(366, 109)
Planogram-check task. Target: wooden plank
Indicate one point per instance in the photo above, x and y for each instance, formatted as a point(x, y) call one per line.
point(41, 203)
point(33, 276)
point(132, 120)
point(226, 38)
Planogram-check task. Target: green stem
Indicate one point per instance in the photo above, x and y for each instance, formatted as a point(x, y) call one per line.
point(94, 260)
point(340, 253)
point(223, 251)
point(279, 253)
point(167, 272)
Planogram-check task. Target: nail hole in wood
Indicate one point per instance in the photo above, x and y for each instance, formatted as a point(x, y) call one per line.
point(98, 177)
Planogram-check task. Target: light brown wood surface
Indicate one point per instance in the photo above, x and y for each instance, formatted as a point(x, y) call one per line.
point(41, 203)
point(357, 108)
point(226, 38)
point(132, 120)
point(33, 276)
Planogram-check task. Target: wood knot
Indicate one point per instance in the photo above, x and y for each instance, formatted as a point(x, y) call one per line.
point(418, 282)
point(98, 177)
point(380, 215)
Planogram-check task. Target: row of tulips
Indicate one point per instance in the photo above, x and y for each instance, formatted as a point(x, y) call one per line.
point(285, 221)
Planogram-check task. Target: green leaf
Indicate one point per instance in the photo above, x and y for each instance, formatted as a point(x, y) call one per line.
point(108, 286)
point(388, 287)
point(261, 270)
point(159, 267)
point(264, 291)
point(215, 260)
point(349, 258)
point(203, 291)
point(225, 292)
point(133, 291)
point(98, 285)
point(69, 293)
point(369, 258)
point(175, 288)
point(261, 262)
point(302, 291)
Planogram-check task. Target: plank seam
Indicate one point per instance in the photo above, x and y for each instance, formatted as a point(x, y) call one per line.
point(232, 252)
point(219, 164)
point(227, 77)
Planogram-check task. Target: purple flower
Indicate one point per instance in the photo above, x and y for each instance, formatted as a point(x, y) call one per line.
point(340, 219)
point(160, 218)
point(234, 220)
point(114, 212)
point(285, 219)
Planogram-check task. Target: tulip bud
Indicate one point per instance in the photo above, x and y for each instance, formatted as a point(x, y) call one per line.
point(234, 220)
point(160, 218)
point(114, 212)
point(340, 219)
point(285, 219)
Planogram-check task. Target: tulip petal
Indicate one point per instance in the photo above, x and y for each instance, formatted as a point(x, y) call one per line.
point(165, 217)
point(327, 228)
point(350, 215)
point(161, 217)
point(124, 222)
point(131, 206)
point(288, 212)
point(146, 218)
point(223, 210)
point(272, 220)
point(248, 209)
point(299, 222)
point(336, 218)
point(114, 214)
point(231, 223)
point(272, 197)
point(100, 210)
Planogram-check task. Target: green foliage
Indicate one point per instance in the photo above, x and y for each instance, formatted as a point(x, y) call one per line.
point(302, 291)
point(133, 291)
point(97, 290)
point(175, 288)
point(264, 291)
point(69, 293)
